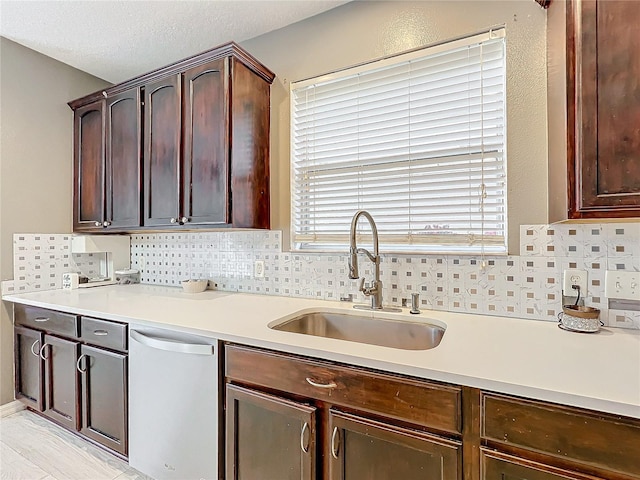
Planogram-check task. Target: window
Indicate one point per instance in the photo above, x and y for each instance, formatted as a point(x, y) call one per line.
point(417, 140)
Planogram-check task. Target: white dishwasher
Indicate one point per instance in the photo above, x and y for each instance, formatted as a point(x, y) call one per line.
point(173, 404)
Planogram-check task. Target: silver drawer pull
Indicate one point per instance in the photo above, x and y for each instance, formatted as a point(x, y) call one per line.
point(42, 351)
point(313, 383)
point(335, 443)
point(78, 363)
point(304, 446)
point(41, 319)
point(101, 333)
point(32, 347)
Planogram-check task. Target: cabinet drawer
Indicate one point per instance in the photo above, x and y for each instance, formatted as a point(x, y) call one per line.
point(499, 465)
point(594, 439)
point(104, 333)
point(48, 320)
point(406, 399)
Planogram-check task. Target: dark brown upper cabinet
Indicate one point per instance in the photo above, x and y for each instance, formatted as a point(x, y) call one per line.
point(603, 108)
point(89, 185)
point(107, 163)
point(122, 148)
point(205, 179)
point(206, 155)
point(187, 148)
point(162, 152)
point(200, 133)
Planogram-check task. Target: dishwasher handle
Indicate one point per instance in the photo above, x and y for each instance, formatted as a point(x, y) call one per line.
point(171, 345)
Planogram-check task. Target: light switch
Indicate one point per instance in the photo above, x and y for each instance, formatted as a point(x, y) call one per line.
point(622, 285)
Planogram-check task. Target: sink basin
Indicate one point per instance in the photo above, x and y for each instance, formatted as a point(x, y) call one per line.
point(385, 332)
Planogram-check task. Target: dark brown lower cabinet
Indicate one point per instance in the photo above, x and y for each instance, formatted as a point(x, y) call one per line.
point(74, 370)
point(61, 380)
point(29, 372)
point(335, 422)
point(361, 448)
point(268, 437)
point(497, 466)
point(592, 443)
point(104, 397)
point(372, 425)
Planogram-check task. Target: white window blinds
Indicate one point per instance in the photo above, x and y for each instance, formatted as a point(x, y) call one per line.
point(417, 140)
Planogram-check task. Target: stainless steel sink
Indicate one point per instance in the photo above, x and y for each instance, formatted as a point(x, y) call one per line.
point(365, 329)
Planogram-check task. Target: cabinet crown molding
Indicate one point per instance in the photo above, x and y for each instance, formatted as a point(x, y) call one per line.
point(230, 49)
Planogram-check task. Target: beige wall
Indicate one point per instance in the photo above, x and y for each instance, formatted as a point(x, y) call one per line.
point(35, 160)
point(361, 31)
point(557, 110)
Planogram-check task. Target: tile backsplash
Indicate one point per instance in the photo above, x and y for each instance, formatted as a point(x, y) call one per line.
point(39, 260)
point(525, 286)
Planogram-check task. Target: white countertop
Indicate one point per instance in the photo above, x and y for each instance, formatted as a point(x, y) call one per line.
point(533, 359)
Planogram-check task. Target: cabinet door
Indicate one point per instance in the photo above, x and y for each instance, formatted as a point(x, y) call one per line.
point(29, 368)
point(104, 397)
point(61, 381)
point(88, 192)
point(162, 132)
point(361, 448)
point(506, 467)
point(544, 428)
point(206, 147)
point(250, 113)
point(122, 144)
point(268, 437)
point(603, 66)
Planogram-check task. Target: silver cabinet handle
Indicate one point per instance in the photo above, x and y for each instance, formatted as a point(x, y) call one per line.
point(41, 319)
point(78, 363)
point(304, 448)
point(100, 333)
point(313, 383)
point(42, 351)
point(106, 223)
point(184, 219)
point(104, 94)
point(173, 220)
point(171, 345)
point(335, 442)
point(33, 345)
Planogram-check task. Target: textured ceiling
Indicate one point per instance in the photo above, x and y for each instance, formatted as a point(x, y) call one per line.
point(119, 39)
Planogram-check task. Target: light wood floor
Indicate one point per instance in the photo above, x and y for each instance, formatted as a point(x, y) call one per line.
point(32, 448)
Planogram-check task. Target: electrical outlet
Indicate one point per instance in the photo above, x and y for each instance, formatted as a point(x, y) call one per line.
point(574, 277)
point(622, 285)
point(258, 269)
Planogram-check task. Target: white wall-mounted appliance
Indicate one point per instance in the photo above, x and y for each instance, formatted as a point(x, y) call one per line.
point(115, 255)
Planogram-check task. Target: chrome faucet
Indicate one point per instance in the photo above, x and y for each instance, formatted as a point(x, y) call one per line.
point(374, 290)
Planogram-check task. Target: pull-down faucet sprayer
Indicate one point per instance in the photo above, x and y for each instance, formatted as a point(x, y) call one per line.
point(374, 290)
point(353, 250)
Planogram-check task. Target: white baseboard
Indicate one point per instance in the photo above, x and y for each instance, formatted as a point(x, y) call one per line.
point(10, 408)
